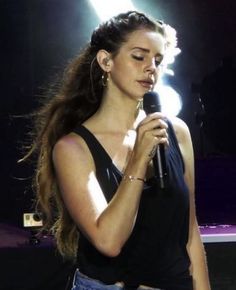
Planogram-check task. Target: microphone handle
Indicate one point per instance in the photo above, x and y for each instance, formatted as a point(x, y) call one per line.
point(159, 161)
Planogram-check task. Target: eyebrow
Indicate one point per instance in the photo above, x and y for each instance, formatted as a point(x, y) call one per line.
point(147, 50)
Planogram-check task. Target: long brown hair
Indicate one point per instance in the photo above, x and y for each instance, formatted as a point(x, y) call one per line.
point(76, 99)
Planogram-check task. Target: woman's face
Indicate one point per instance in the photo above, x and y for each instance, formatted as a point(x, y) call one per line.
point(135, 68)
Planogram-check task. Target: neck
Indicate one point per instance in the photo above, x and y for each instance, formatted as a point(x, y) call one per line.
point(118, 114)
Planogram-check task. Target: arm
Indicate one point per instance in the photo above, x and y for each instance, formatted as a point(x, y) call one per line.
point(107, 226)
point(195, 246)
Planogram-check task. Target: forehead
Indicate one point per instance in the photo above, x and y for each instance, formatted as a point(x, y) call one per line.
point(146, 39)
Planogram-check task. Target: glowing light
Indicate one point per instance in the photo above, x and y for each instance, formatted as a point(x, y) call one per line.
point(106, 8)
point(169, 59)
point(171, 102)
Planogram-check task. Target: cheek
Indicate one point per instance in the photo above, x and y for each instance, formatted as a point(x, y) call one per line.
point(123, 72)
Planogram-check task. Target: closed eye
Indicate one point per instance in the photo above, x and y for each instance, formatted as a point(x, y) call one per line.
point(140, 58)
point(157, 62)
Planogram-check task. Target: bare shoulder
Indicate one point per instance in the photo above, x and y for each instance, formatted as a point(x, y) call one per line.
point(71, 147)
point(69, 142)
point(181, 130)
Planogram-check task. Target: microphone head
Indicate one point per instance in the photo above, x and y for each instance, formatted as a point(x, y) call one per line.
point(151, 102)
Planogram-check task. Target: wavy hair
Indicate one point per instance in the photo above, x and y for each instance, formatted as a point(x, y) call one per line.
point(77, 97)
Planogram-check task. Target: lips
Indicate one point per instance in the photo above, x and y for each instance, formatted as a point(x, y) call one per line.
point(147, 83)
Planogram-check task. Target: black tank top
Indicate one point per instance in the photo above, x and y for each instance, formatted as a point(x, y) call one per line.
point(155, 253)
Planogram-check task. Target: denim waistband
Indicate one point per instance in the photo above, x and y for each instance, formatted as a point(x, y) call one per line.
point(83, 282)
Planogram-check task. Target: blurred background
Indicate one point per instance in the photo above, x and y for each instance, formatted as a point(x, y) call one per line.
point(38, 38)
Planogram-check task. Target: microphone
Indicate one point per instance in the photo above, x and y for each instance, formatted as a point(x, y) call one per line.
point(152, 104)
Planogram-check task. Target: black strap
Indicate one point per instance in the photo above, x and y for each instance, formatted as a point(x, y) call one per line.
point(94, 146)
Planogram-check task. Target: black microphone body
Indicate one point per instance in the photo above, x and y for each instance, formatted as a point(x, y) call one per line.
point(151, 104)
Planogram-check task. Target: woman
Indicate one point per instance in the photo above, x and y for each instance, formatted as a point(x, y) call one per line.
point(95, 179)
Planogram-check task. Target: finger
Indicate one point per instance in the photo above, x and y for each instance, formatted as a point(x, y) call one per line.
point(159, 133)
point(153, 116)
point(160, 140)
point(157, 141)
point(163, 140)
point(153, 125)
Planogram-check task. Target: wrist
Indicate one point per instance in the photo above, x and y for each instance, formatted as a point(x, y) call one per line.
point(132, 178)
point(136, 168)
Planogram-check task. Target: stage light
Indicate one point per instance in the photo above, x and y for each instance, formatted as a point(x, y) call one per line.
point(106, 8)
point(169, 59)
point(171, 102)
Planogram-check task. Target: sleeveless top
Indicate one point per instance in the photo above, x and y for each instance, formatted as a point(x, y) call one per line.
point(155, 253)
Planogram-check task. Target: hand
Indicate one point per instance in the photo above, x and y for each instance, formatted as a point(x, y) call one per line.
point(151, 131)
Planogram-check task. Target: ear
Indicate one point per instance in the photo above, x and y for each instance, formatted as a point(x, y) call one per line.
point(104, 60)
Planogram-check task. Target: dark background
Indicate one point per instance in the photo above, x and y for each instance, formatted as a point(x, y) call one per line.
point(39, 37)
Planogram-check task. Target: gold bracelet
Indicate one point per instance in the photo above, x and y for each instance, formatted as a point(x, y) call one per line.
point(133, 178)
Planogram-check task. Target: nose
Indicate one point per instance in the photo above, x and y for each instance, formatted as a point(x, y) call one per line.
point(151, 66)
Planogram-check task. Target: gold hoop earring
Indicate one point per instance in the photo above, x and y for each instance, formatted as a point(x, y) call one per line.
point(105, 79)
